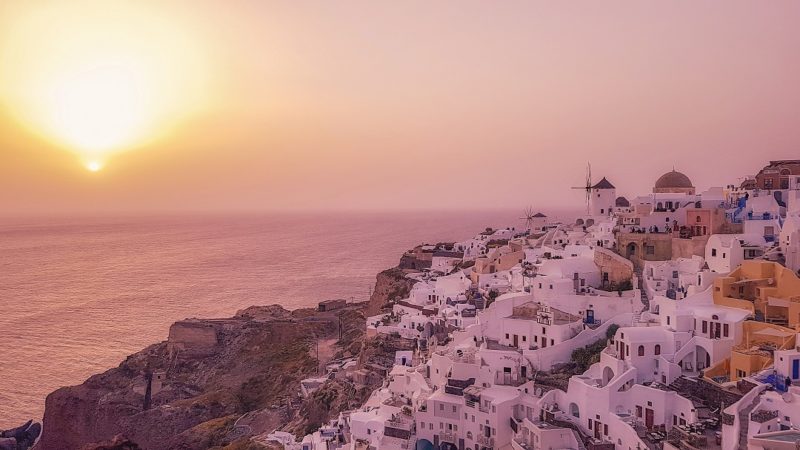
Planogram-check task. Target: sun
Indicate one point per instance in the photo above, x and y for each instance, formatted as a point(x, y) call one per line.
point(94, 166)
point(101, 106)
point(98, 78)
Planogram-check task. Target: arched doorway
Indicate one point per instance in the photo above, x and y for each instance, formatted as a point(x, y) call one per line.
point(574, 411)
point(608, 375)
point(631, 250)
point(702, 358)
point(424, 444)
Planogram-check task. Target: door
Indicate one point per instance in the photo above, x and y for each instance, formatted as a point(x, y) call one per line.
point(516, 341)
point(796, 369)
point(589, 316)
point(597, 429)
point(648, 418)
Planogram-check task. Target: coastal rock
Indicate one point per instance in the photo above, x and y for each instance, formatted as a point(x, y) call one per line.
point(390, 285)
point(206, 375)
point(229, 382)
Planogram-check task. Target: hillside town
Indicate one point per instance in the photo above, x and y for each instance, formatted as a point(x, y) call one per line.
point(660, 320)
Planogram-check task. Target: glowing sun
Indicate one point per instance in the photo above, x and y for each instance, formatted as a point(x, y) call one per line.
point(100, 81)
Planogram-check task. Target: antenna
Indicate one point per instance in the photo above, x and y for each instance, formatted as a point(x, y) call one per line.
point(588, 186)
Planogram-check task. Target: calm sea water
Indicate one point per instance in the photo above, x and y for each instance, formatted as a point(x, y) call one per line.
point(79, 295)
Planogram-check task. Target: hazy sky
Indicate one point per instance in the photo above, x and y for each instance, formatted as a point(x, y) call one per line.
point(360, 105)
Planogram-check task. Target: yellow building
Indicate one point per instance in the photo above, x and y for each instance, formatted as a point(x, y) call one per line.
point(770, 292)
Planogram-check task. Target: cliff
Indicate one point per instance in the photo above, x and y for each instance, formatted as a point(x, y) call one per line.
point(391, 284)
point(226, 383)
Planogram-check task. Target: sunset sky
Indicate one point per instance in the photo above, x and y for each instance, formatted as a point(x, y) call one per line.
point(202, 105)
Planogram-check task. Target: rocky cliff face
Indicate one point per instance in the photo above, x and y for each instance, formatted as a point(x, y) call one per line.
point(226, 383)
point(208, 372)
point(391, 284)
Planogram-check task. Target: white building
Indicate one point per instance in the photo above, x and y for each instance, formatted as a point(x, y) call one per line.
point(725, 252)
point(790, 242)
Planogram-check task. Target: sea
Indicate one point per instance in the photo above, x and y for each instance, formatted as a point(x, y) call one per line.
point(80, 294)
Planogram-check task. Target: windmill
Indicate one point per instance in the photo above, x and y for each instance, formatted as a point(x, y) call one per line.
point(529, 216)
point(588, 187)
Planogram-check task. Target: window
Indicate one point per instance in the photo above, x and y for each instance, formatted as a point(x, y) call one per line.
point(552, 342)
point(441, 406)
point(524, 338)
point(668, 320)
point(641, 350)
point(454, 408)
point(658, 349)
point(705, 327)
point(650, 249)
point(713, 252)
point(605, 429)
point(725, 329)
point(674, 274)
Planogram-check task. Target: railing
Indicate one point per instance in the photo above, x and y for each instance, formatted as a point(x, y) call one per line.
point(762, 416)
point(486, 441)
point(399, 424)
point(447, 436)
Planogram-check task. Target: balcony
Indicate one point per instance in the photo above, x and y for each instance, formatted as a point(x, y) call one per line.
point(485, 441)
point(448, 436)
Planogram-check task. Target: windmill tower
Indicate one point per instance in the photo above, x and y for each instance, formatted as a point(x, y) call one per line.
point(534, 222)
point(600, 197)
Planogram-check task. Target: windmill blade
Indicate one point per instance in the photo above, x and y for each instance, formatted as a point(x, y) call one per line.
point(589, 176)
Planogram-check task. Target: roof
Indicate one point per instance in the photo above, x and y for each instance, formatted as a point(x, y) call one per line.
point(645, 334)
point(745, 240)
point(725, 313)
point(539, 215)
point(673, 179)
point(564, 268)
point(500, 394)
point(622, 202)
point(603, 184)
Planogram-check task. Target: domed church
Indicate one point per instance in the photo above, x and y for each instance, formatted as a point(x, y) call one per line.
point(674, 182)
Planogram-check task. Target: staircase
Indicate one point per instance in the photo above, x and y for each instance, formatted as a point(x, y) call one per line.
point(744, 424)
point(637, 316)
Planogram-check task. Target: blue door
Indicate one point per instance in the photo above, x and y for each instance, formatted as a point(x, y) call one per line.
point(796, 369)
point(589, 316)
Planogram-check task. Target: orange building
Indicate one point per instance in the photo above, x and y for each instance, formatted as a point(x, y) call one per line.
point(771, 293)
